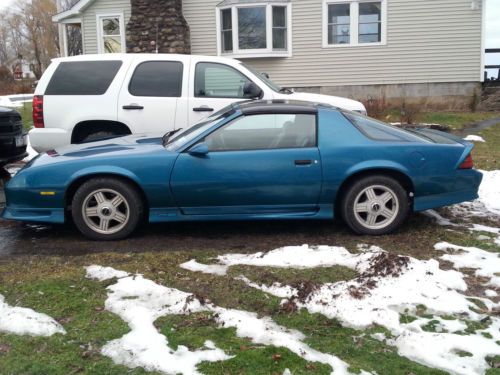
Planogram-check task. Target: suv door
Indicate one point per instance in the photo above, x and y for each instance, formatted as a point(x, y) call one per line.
point(149, 98)
point(257, 164)
point(215, 85)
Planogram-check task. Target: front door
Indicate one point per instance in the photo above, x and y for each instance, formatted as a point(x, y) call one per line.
point(258, 164)
point(148, 104)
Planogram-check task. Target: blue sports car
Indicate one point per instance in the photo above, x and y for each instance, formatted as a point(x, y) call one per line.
point(252, 160)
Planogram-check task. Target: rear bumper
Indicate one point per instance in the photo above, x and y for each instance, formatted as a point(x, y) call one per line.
point(46, 139)
point(467, 181)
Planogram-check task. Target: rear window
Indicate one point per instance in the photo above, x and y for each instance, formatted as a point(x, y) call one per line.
point(83, 77)
point(157, 78)
point(380, 131)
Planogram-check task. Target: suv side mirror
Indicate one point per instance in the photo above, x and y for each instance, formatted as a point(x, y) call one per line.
point(251, 90)
point(200, 149)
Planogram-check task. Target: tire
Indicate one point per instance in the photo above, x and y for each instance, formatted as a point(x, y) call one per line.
point(375, 205)
point(106, 209)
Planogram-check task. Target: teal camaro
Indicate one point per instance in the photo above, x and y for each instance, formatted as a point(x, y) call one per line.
point(252, 160)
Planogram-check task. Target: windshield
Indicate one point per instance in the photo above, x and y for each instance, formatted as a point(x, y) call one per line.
point(194, 131)
point(273, 86)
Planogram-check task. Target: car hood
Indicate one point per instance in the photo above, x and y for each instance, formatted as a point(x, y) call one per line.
point(127, 146)
point(336, 101)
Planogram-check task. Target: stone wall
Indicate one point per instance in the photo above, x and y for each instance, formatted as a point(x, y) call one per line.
point(157, 25)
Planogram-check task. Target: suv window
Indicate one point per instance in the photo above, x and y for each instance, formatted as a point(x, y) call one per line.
point(157, 78)
point(260, 132)
point(213, 80)
point(83, 77)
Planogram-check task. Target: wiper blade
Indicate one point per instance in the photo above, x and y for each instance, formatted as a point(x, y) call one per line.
point(167, 135)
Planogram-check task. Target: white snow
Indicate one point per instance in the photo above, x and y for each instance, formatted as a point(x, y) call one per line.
point(140, 302)
point(440, 220)
point(490, 293)
point(299, 257)
point(485, 263)
point(357, 305)
point(474, 138)
point(104, 273)
point(24, 321)
point(15, 101)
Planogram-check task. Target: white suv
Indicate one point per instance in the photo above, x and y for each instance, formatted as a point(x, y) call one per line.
point(85, 98)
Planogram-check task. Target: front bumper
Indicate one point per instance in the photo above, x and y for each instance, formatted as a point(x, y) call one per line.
point(35, 215)
point(46, 139)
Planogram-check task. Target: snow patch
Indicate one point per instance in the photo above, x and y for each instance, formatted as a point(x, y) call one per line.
point(15, 101)
point(104, 273)
point(474, 138)
point(24, 321)
point(140, 302)
point(490, 293)
point(440, 220)
point(485, 263)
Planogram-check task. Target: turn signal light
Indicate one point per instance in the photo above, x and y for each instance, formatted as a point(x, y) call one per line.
point(468, 163)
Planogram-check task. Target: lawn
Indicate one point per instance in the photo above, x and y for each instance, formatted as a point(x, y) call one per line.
point(57, 286)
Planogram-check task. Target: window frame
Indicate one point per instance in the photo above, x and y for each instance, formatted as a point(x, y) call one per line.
point(354, 24)
point(157, 61)
point(217, 97)
point(100, 36)
point(260, 52)
point(230, 122)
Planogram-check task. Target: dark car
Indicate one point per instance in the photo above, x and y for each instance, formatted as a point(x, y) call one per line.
point(13, 139)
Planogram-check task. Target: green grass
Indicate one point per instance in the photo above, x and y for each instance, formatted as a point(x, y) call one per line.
point(454, 120)
point(26, 113)
point(487, 155)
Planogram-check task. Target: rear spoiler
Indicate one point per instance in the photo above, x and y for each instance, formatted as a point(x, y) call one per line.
point(468, 146)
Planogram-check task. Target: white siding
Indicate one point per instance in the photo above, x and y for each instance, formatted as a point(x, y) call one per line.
point(89, 23)
point(427, 41)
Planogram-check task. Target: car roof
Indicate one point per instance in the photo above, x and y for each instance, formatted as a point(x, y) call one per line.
point(279, 106)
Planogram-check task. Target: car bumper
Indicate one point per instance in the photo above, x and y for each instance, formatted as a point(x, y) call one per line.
point(46, 139)
point(35, 215)
point(466, 184)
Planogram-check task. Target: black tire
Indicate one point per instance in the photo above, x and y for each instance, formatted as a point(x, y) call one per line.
point(132, 204)
point(361, 222)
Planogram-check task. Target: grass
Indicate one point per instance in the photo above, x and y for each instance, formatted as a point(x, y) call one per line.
point(487, 154)
point(26, 113)
point(454, 120)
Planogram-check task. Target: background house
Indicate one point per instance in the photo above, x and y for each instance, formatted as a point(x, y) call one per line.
point(427, 52)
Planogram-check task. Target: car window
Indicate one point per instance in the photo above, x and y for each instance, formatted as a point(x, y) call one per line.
point(378, 130)
point(214, 80)
point(267, 131)
point(83, 77)
point(157, 78)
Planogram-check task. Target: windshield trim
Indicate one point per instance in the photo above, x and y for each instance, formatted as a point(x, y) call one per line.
point(267, 81)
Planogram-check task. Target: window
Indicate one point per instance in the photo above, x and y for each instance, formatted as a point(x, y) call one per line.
point(157, 78)
point(254, 29)
point(111, 34)
point(268, 131)
point(354, 23)
point(214, 80)
point(83, 78)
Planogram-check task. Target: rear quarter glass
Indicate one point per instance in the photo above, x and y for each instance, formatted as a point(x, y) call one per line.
point(83, 77)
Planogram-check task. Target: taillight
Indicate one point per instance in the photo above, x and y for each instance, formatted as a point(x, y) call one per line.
point(38, 121)
point(468, 163)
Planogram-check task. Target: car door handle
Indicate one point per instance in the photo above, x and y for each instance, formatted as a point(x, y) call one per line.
point(303, 162)
point(133, 107)
point(203, 109)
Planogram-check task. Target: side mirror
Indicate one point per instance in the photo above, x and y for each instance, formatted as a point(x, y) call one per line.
point(200, 149)
point(251, 90)
point(265, 75)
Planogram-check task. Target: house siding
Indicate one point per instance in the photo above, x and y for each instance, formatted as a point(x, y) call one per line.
point(428, 41)
point(89, 20)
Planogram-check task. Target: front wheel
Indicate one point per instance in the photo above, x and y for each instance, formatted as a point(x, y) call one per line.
point(106, 209)
point(375, 205)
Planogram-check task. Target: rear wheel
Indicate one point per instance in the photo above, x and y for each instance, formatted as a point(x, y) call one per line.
point(375, 205)
point(106, 209)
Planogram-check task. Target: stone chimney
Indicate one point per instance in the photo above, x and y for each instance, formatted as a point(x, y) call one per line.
point(158, 26)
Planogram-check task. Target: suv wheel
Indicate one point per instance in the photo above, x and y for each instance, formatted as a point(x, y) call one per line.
point(93, 137)
point(106, 209)
point(375, 205)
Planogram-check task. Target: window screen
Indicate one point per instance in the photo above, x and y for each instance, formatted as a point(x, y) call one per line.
point(157, 78)
point(83, 77)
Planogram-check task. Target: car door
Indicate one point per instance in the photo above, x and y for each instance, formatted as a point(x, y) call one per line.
point(214, 86)
point(149, 98)
point(257, 164)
